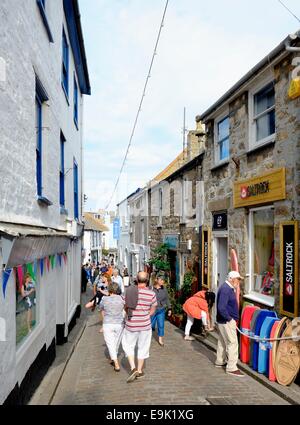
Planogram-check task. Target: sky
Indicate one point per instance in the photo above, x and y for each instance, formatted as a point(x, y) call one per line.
point(204, 48)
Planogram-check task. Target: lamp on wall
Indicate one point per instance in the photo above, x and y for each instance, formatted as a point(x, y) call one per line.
point(189, 244)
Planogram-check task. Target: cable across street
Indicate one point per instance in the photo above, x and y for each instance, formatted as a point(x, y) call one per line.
point(140, 104)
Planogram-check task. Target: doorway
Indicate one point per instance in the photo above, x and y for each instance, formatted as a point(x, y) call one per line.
point(220, 263)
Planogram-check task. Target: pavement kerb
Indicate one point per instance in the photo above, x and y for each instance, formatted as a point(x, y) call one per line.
point(70, 353)
point(283, 392)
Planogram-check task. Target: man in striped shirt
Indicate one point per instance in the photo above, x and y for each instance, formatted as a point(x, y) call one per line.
point(138, 329)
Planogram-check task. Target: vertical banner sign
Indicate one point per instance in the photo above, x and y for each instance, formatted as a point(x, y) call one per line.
point(116, 229)
point(205, 258)
point(289, 268)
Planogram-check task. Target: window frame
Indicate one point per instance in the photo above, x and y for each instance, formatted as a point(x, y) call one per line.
point(251, 294)
point(65, 66)
point(39, 143)
point(62, 199)
point(75, 190)
point(75, 102)
point(253, 143)
point(220, 118)
point(42, 8)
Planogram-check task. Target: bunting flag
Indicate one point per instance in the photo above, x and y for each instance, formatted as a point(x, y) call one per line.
point(48, 263)
point(52, 260)
point(59, 259)
point(35, 267)
point(42, 266)
point(20, 275)
point(5, 277)
point(29, 268)
point(65, 257)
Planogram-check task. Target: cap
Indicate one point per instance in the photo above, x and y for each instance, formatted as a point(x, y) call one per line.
point(234, 275)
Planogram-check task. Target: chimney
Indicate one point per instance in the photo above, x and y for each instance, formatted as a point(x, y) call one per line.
point(195, 140)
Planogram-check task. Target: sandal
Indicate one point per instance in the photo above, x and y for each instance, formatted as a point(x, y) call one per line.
point(161, 344)
point(116, 369)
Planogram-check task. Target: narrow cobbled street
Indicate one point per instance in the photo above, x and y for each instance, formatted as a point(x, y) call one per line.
point(182, 372)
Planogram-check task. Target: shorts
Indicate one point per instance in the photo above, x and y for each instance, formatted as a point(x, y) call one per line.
point(143, 341)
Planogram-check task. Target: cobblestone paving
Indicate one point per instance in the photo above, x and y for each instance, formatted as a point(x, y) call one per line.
point(182, 372)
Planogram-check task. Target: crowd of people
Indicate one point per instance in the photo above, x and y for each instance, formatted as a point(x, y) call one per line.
point(129, 314)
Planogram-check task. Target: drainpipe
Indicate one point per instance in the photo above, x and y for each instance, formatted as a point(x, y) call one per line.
point(288, 46)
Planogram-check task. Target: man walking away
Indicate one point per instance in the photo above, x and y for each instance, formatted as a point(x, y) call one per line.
point(227, 315)
point(116, 278)
point(138, 328)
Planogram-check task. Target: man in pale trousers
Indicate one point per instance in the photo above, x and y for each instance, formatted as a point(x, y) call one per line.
point(227, 315)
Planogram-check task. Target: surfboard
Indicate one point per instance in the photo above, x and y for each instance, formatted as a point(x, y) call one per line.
point(258, 324)
point(279, 331)
point(246, 317)
point(272, 376)
point(287, 361)
point(264, 347)
point(252, 329)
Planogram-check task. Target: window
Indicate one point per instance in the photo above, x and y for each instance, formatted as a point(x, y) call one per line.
point(76, 207)
point(40, 98)
point(65, 64)
point(160, 200)
point(143, 242)
point(222, 142)
point(62, 171)
point(42, 8)
point(75, 103)
point(184, 199)
point(261, 222)
point(263, 125)
point(26, 302)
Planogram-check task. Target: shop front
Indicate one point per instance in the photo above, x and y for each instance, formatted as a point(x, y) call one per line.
point(270, 243)
point(172, 241)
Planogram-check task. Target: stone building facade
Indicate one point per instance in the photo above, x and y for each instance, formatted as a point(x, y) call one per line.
point(251, 183)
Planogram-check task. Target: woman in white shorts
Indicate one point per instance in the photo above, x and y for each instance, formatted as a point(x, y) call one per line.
point(113, 322)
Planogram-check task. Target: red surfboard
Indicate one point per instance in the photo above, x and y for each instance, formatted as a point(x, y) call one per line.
point(272, 376)
point(247, 314)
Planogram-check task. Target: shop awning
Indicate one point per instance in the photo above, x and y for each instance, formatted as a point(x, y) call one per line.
point(28, 243)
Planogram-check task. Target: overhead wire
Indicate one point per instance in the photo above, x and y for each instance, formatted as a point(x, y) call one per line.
point(140, 104)
point(281, 2)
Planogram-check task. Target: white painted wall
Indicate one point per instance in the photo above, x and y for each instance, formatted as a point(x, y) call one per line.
point(25, 48)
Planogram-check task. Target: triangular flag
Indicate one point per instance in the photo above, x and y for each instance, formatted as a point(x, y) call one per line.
point(59, 259)
point(42, 266)
point(52, 258)
point(20, 275)
point(35, 267)
point(29, 267)
point(5, 276)
point(65, 257)
point(48, 263)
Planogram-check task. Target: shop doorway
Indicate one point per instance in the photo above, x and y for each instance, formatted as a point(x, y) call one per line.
point(220, 263)
point(172, 257)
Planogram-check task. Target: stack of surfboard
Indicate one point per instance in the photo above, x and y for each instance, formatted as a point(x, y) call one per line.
point(278, 360)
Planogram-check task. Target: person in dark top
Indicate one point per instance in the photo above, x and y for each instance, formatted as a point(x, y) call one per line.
point(163, 302)
point(84, 279)
point(227, 316)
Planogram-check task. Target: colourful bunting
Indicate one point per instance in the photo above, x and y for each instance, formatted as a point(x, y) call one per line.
point(20, 275)
point(35, 267)
point(65, 257)
point(5, 277)
point(29, 268)
point(48, 263)
point(52, 259)
point(59, 259)
point(42, 266)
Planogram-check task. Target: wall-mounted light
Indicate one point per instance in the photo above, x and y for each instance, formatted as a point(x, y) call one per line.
point(189, 244)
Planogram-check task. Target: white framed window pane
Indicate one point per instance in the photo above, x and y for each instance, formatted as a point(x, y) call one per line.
point(224, 149)
point(264, 99)
point(263, 251)
point(265, 125)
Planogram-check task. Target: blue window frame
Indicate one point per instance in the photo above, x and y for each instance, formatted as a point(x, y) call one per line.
point(62, 171)
point(65, 64)
point(76, 206)
point(39, 135)
point(42, 8)
point(75, 103)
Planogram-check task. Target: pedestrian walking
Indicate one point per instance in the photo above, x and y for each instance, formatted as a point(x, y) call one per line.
point(163, 302)
point(28, 293)
point(118, 279)
point(138, 330)
point(227, 316)
point(84, 278)
point(198, 307)
point(125, 277)
point(113, 322)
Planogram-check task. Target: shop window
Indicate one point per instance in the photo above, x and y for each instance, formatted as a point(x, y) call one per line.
point(262, 251)
point(26, 305)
